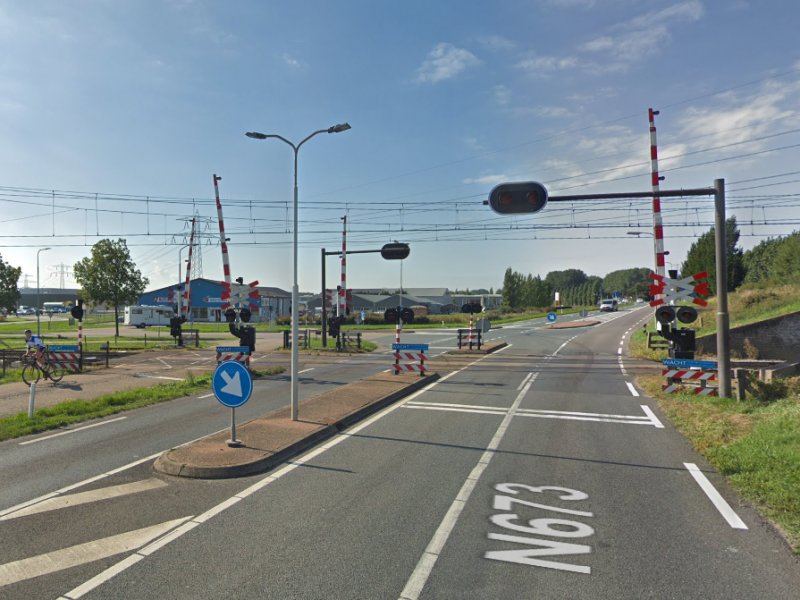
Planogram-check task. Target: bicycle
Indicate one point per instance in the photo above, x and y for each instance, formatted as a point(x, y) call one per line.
point(32, 372)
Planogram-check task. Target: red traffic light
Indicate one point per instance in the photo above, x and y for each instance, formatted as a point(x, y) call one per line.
point(518, 198)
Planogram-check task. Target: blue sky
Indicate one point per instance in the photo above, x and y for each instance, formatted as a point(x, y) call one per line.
point(114, 116)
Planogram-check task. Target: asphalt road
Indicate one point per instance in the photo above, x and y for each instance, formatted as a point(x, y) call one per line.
point(535, 472)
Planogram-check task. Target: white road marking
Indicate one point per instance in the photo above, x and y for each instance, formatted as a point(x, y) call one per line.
point(55, 435)
point(419, 577)
point(524, 381)
point(464, 410)
point(717, 500)
point(69, 500)
point(143, 376)
point(619, 350)
point(52, 562)
point(653, 418)
point(632, 389)
point(306, 370)
point(206, 396)
point(165, 363)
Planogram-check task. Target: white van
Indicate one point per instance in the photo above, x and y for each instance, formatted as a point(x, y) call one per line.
point(608, 305)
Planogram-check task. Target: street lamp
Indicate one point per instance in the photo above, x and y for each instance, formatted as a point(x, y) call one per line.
point(295, 293)
point(38, 304)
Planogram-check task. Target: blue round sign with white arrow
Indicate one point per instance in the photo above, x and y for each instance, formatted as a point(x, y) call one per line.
point(552, 317)
point(232, 384)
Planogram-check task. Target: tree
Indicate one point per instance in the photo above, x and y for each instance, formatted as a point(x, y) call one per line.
point(512, 289)
point(758, 261)
point(561, 280)
point(109, 276)
point(633, 283)
point(786, 264)
point(702, 257)
point(9, 292)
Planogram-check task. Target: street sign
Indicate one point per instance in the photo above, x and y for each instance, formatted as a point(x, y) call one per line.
point(681, 363)
point(64, 348)
point(418, 347)
point(233, 349)
point(484, 325)
point(552, 317)
point(232, 384)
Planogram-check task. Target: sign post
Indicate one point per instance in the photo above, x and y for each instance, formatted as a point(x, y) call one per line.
point(232, 385)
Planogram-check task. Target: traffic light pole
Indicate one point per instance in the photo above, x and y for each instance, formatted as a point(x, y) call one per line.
point(389, 247)
point(723, 322)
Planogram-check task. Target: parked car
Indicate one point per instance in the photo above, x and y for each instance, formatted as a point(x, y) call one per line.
point(25, 310)
point(608, 305)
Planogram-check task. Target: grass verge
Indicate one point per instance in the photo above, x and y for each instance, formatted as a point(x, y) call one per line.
point(755, 444)
point(76, 411)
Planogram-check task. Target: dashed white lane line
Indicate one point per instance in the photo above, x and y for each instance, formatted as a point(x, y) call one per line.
point(634, 393)
point(306, 370)
point(55, 435)
point(716, 499)
point(206, 396)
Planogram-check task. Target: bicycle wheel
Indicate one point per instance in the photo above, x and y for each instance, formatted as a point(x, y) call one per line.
point(55, 373)
point(31, 374)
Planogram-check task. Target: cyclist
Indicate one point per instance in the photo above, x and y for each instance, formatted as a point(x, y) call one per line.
point(36, 346)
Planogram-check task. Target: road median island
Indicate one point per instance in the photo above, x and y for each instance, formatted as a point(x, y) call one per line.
point(274, 438)
point(573, 324)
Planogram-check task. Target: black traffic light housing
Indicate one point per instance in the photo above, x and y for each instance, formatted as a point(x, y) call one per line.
point(77, 310)
point(245, 314)
point(245, 333)
point(390, 315)
point(407, 315)
point(518, 198)
point(682, 341)
point(395, 251)
point(471, 307)
point(335, 325)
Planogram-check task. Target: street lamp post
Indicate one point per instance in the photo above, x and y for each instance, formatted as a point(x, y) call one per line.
point(295, 293)
point(38, 303)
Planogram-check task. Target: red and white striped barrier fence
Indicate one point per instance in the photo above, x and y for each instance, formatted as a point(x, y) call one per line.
point(240, 354)
point(684, 375)
point(672, 388)
point(65, 357)
point(691, 374)
point(411, 352)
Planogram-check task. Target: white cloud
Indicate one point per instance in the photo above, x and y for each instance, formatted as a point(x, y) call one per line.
point(292, 61)
point(541, 65)
point(487, 179)
point(557, 112)
point(444, 62)
point(640, 37)
point(739, 119)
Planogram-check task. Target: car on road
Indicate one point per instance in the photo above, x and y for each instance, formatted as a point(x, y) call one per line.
point(25, 310)
point(608, 305)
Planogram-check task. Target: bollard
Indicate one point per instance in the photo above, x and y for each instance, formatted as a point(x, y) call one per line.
point(31, 400)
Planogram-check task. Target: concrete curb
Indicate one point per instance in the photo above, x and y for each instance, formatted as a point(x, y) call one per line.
point(196, 460)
